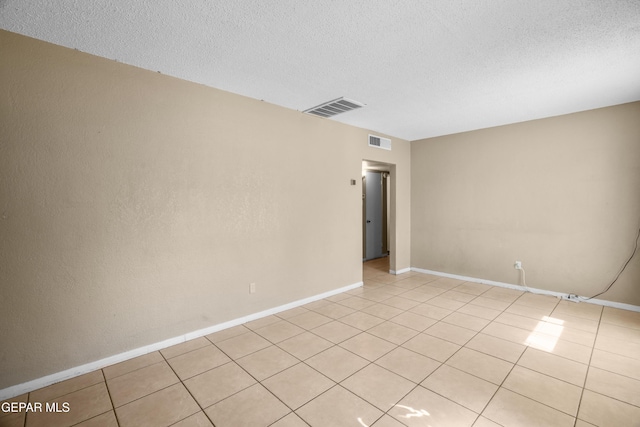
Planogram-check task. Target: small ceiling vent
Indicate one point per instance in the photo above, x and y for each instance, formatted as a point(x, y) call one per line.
point(379, 142)
point(331, 108)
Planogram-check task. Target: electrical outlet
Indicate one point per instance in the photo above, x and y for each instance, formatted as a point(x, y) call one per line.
point(252, 288)
point(518, 265)
point(571, 297)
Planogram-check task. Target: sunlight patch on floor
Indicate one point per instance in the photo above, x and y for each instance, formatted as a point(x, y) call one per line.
point(546, 334)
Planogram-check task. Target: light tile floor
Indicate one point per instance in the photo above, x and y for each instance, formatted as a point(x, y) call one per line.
point(407, 350)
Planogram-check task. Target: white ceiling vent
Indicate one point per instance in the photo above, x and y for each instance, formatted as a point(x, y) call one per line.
point(379, 142)
point(337, 106)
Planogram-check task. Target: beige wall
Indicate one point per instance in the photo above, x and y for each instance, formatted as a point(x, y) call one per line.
point(136, 207)
point(562, 195)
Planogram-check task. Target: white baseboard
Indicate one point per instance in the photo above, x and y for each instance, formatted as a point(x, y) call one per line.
point(19, 389)
point(606, 303)
point(404, 270)
point(613, 304)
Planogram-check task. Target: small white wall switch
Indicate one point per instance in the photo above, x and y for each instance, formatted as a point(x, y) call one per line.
point(252, 288)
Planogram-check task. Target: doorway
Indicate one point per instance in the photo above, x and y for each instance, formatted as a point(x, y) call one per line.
point(376, 198)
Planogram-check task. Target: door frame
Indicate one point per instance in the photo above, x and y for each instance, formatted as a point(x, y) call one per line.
point(389, 214)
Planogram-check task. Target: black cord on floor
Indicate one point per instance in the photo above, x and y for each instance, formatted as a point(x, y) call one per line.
point(620, 272)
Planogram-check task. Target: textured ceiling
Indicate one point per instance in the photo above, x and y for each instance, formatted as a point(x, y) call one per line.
point(423, 68)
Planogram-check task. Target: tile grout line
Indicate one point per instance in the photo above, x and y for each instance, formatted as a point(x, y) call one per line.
point(379, 289)
point(133, 370)
point(500, 386)
point(584, 387)
point(25, 415)
point(254, 378)
point(339, 383)
point(516, 364)
point(464, 346)
point(438, 321)
point(588, 365)
point(584, 383)
point(75, 391)
point(185, 387)
point(441, 363)
point(113, 407)
point(614, 372)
